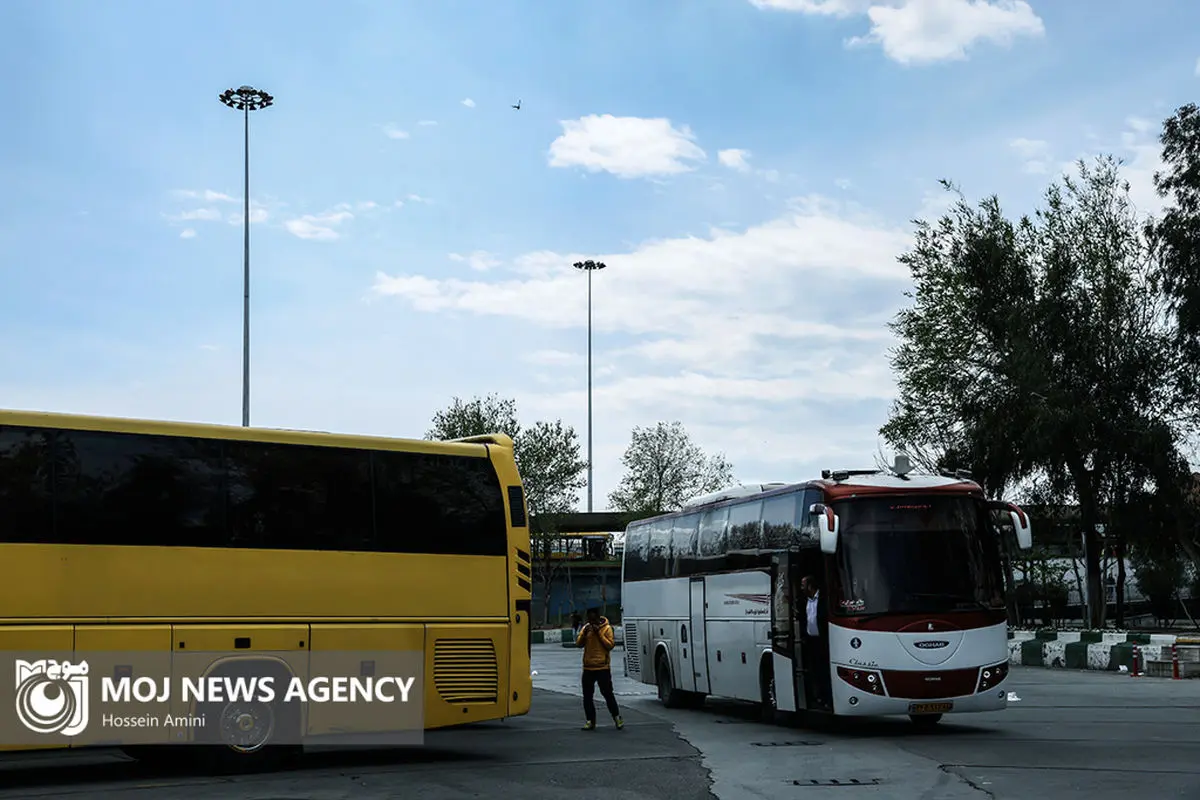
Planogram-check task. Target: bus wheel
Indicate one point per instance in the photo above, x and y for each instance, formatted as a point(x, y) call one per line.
point(241, 735)
point(925, 721)
point(668, 695)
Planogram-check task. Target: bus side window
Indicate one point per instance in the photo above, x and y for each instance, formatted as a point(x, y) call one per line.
point(25, 484)
point(127, 489)
point(745, 526)
point(637, 543)
point(745, 535)
point(660, 548)
point(806, 523)
point(684, 542)
point(713, 539)
point(779, 521)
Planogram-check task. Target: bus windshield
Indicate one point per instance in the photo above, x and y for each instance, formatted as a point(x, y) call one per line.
point(916, 554)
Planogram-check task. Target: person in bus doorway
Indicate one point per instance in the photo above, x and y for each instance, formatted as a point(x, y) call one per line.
point(576, 622)
point(814, 643)
point(597, 640)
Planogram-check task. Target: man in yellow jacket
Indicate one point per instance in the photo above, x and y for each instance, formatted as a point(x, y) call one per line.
point(596, 639)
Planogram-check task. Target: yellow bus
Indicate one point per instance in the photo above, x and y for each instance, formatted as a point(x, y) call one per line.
point(129, 535)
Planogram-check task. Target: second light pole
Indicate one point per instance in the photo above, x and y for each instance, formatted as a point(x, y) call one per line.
point(589, 267)
point(246, 99)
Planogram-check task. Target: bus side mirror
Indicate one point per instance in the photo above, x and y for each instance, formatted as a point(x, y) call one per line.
point(1020, 521)
point(828, 525)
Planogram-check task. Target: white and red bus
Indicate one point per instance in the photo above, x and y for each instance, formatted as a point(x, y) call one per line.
point(911, 581)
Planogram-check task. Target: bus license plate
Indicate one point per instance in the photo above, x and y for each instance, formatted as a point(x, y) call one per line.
point(929, 708)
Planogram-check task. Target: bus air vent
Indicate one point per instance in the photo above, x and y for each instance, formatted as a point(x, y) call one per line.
point(633, 658)
point(466, 670)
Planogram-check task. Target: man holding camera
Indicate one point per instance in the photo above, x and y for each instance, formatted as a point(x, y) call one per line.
point(597, 640)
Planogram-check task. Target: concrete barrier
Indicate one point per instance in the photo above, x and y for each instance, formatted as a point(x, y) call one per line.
point(1097, 650)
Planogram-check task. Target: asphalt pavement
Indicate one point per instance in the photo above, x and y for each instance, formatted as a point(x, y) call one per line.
point(1101, 736)
point(1072, 734)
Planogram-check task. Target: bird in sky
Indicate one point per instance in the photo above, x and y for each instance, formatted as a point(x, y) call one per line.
point(518, 105)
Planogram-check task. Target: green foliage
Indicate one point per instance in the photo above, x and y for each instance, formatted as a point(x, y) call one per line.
point(1177, 233)
point(663, 468)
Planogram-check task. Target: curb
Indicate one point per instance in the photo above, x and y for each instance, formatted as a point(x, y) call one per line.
point(1092, 650)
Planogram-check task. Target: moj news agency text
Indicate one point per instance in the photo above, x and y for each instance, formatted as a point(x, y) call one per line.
point(226, 689)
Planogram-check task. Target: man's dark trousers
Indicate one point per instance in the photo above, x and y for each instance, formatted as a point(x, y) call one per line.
point(602, 678)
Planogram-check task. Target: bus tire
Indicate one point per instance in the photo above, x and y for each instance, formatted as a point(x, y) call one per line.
point(925, 722)
point(255, 724)
point(766, 683)
point(668, 695)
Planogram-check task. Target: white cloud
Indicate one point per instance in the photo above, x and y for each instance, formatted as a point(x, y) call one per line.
point(1035, 153)
point(258, 215)
point(199, 215)
point(187, 233)
point(629, 147)
point(480, 260)
point(734, 159)
point(703, 302)
point(468, 102)
point(416, 198)
point(393, 132)
point(554, 358)
point(927, 31)
point(836, 8)
point(427, 123)
point(318, 227)
point(207, 195)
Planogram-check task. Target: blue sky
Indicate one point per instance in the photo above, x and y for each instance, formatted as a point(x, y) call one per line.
point(747, 168)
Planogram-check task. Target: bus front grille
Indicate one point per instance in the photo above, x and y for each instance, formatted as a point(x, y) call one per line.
point(633, 656)
point(466, 671)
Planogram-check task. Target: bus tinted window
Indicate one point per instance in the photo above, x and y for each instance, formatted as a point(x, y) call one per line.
point(779, 520)
point(637, 543)
point(129, 489)
point(112, 488)
point(298, 498)
point(660, 549)
point(684, 533)
point(25, 480)
point(438, 504)
point(745, 526)
point(713, 539)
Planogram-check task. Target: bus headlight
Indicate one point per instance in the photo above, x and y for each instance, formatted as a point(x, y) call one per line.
point(865, 680)
point(990, 677)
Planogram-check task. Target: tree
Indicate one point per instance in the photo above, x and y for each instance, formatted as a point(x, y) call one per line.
point(1042, 350)
point(1177, 238)
point(663, 468)
point(1177, 233)
point(548, 459)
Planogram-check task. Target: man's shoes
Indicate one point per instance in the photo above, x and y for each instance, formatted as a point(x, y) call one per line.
point(589, 726)
point(620, 723)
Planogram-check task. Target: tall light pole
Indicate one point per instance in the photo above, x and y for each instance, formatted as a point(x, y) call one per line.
point(246, 99)
point(589, 267)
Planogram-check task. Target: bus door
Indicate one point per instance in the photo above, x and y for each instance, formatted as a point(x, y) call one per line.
point(699, 661)
point(787, 613)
